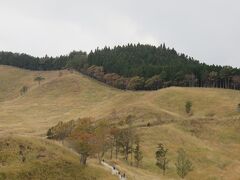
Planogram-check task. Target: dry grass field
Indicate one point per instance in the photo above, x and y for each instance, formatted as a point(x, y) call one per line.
point(42, 160)
point(211, 136)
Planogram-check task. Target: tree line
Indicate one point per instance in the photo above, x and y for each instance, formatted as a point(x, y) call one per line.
point(134, 67)
point(33, 63)
point(146, 67)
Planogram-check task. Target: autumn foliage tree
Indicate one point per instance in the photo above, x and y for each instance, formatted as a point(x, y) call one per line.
point(103, 139)
point(83, 139)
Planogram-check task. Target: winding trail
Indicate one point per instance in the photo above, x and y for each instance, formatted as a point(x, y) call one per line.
point(114, 171)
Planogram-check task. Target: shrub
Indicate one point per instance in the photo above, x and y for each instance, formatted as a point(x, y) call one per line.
point(61, 130)
point(188, 107)
point(183, 164)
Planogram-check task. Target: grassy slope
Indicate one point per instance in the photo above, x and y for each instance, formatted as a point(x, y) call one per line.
point(43, 160)
point(211, 135)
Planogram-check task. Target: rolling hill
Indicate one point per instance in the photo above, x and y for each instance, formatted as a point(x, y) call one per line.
point(210, 136)
point(34, 158)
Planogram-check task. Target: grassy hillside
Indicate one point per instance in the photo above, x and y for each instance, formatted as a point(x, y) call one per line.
point(210, 135)
point(73, 95)
point(42, 160)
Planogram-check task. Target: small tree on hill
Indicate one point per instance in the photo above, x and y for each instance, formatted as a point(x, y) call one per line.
point(39, 79)
point(138, 156)
point(131, 134)
point(162, 161)
point(183, 164)
point(188, 107)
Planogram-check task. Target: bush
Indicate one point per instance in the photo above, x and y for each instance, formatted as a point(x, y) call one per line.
point(188, 107)
point(183, 164)
point(61, 130)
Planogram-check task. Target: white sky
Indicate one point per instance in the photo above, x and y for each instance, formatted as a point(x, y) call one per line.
point(208, 30)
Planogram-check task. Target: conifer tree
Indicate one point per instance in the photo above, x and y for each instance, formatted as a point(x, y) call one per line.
point(161, 157)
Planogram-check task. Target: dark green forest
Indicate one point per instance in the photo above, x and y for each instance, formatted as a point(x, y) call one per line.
point(33, 63)
point(134, 67)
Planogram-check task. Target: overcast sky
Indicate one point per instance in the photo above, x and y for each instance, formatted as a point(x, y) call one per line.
point(208, 30)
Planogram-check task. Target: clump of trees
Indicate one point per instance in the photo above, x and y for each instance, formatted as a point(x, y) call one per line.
point(81, 136)
point(95, 139)
point(61, 130)
point(76, 60)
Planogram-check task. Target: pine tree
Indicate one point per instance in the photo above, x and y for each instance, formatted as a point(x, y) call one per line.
point(162, 161)
point(188, 107)
point(138, 156)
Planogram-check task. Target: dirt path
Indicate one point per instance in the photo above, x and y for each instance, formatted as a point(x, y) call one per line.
point(132, 173)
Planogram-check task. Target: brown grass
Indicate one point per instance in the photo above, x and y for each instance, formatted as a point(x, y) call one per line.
point(210, 136)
